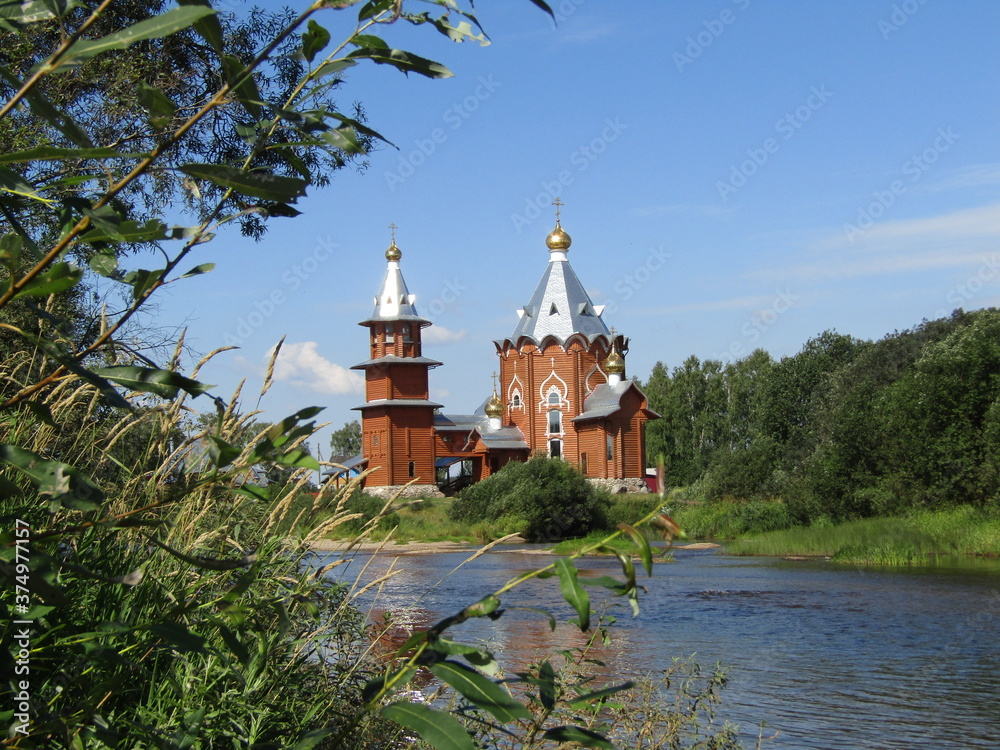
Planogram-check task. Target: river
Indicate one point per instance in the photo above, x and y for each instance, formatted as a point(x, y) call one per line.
point(826, 657)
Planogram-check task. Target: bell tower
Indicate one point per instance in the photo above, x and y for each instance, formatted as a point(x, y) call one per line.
point(397, 418)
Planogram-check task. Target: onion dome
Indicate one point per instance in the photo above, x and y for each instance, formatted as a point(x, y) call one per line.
point(393, 253)
point(494, 407)
point(559, 240)
point(615, 363)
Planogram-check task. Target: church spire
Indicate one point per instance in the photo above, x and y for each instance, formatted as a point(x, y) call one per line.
point(394, 301)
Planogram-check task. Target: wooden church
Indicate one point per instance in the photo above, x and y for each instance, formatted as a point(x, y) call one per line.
point(562, 391)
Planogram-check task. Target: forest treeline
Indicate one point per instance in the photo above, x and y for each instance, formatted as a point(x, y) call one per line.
point(845, 428)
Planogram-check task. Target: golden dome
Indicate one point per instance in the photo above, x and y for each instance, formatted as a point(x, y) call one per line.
point(494, 407)
point(559, 239)
point(393, 252)
point(615, 363)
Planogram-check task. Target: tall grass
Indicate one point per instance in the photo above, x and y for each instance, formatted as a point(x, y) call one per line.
point(885, 541)
point(727, 518)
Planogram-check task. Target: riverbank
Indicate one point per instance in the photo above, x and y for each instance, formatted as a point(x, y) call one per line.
point(897, 540)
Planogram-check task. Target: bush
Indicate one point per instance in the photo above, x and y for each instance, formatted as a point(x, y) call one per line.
point(554, 500)
point(729, 518)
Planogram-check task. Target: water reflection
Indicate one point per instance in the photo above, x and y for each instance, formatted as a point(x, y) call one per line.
point(830, 657)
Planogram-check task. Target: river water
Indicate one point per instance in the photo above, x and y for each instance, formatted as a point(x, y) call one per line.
point(826, 657)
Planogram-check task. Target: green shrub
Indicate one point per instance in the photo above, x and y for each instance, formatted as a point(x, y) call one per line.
point(630, 508)
point(554, 500)
point(728, 518)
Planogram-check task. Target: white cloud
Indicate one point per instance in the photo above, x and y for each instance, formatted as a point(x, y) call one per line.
point(437, 334)
point(967, 178)
point(299, 364)
point(950, 240)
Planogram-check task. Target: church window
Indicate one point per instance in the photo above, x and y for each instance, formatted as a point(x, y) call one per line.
point(553, 310)
point(611, 448)
point(407, 333)
point(515, 399)
point(554, 397)
point(555, 421)
point(412, 470)
point(583, 464)
point(390, 335)
point(375, 440)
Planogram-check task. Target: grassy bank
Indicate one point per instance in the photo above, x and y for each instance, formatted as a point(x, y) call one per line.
point(884, 541)
point(427, 520)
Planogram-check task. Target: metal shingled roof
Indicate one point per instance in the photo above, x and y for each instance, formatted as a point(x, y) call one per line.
point(560, 307)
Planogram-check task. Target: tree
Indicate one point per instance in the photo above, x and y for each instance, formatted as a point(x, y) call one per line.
point(167, 610)
point(347, 440)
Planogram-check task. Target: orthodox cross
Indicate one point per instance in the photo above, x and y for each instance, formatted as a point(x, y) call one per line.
point(393, 227)
point(558, 204)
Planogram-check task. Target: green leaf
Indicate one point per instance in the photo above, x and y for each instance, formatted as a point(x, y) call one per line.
point(485, 606)
point(104, 264)
point(142, 281)
point(573, 592)
point(314, 40)
point(49, 153)
point(65, 485)
point(439, 729)
point(310, 739)
point(241, 81)
point(480, 691)
point(56, 278)
point(161, 109)
point(544, 6)
point(579, 735)
point(645, 553)
point(258, 184)
point(199, 270)
point(546, 682)
point(164, 383)
point(345, 139)
point(373, 8)
point(300, 460)
point(221, 452)
point(333, 67)
point(178, 635)
point(209, 26)
point(189, 731)
point(598, 694)
point(127, 231)
point(17, 13)
point(151, 28)
point(406, 62)
point(41, 411)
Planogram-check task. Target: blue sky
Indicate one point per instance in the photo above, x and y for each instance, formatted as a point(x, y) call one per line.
point(736, 174)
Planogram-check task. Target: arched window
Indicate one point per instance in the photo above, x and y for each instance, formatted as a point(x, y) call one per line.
point(515, 399)
point(555, 448)
point(554, 397)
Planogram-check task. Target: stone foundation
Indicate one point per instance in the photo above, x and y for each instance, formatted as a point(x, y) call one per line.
point(621, 486)
point(407, 491)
